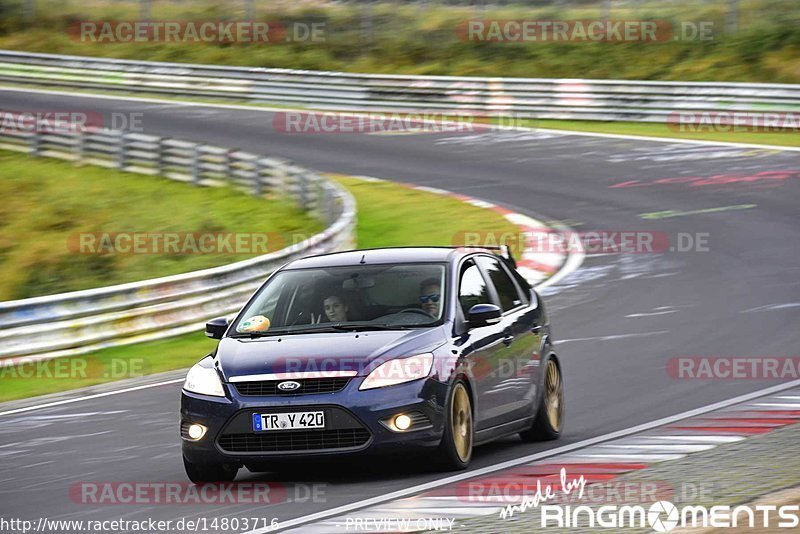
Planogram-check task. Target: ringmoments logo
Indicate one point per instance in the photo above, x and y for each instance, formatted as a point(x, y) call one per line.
point(556, 510)
point(664, 516)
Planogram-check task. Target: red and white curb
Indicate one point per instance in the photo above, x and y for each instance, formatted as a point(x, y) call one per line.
point(535, 266)
point(488, 495)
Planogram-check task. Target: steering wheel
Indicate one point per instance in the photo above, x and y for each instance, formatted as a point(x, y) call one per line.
point(417, 310)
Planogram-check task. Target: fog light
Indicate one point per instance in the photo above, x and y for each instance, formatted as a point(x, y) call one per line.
point(402, 422)
point(196, 431)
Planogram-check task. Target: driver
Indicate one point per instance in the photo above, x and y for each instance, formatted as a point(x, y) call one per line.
point(430, 296)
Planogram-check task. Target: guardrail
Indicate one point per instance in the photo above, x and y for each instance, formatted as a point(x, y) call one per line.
point(646, 101)
point(76, 322)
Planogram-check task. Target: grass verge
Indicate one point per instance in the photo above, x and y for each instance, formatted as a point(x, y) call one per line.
point(389, 215)
point(58, 222)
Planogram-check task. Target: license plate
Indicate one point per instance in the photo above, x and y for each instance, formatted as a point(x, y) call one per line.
point(288, 421)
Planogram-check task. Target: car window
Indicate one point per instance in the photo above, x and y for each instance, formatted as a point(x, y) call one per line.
point(507, 291)
point(472, 288)
point(404, 295)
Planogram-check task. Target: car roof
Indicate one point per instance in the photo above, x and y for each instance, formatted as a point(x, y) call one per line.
point(377, 256)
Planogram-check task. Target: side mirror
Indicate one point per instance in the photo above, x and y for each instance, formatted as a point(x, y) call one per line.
point(483, 315)
point(215, 328)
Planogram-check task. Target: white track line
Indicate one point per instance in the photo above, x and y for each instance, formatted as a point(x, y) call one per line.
point(356, 113)
point(523, 460)
point(88, 397)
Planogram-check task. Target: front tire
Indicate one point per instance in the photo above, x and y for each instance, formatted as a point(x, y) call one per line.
point(550, 416)
point(455, 450)
point(204, 473)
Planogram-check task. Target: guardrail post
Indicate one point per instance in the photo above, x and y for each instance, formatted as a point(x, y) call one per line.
point(226, 165)
point(196, 164)
point(366, 24)
point(255, 175)
point(159, 161)
point(606, 9)
point(302, 192)
point(121, 148)
point(79, 147)
point(36, 143)
point(314, 195)
point(281, 181)
point(732, 17)
point(330, 205)
point(29, 11)
point(144, 9)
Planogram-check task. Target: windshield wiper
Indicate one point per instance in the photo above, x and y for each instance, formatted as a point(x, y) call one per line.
point(308, 329)
point(253, 335)
point(372, 326)
point(323, 327)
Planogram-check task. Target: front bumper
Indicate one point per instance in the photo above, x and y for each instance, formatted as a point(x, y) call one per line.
point(354, 423)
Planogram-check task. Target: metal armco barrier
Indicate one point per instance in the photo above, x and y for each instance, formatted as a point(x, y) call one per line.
point(524, 97)
point(77, 322)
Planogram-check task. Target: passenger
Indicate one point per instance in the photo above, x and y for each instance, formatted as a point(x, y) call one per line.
point(335, 308)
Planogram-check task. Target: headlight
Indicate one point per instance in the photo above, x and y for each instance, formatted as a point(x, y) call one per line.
point(398, 371)
point(204, 380)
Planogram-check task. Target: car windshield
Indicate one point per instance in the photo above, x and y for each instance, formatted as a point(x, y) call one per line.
point(367, 297)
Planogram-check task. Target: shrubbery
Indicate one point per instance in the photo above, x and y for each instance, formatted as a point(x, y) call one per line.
point(414, 39)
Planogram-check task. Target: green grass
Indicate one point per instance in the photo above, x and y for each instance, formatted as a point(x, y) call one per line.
point(47, 205)
point(391, 215)
point(423, 40)
point(388, 215)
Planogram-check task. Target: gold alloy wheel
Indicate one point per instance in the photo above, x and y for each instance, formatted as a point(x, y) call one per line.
point(461, 423)
point(554, 396)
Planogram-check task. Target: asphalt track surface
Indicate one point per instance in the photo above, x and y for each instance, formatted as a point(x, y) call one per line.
point(619, 318)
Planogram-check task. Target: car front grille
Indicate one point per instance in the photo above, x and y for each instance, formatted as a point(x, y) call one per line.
point(308, 386)
point(295, 440)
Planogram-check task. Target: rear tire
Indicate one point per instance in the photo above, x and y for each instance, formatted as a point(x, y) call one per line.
point(204, 473)
point(549, 420)
point(455, 450)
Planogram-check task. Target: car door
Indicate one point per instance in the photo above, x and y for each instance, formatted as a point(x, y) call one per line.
point(482, 348)
point(516, 383)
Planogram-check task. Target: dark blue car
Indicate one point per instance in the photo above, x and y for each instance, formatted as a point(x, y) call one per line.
point(370, 351)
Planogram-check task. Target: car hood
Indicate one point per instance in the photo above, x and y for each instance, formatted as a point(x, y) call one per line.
point(340, 351)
